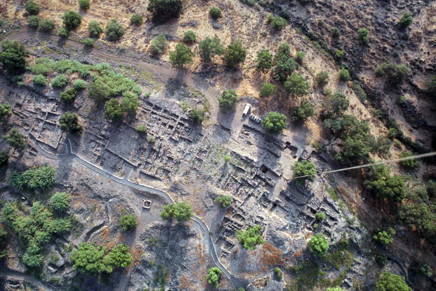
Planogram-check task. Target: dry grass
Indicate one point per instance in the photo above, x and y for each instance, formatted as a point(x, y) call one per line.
point(270, 256)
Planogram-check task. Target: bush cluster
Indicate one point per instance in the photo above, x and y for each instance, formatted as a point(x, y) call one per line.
point(31, 7)
point(180, 211)
point(362, 36)
point(383, 185)
point(405, 20)
point(42, 177)
point(136, 19)
point(70, 122)
point(274, 122)
point(5, 111)
point(296, 85)
point(13, 57)
point(395, 73)
point(344, 75)
point(60, 201)
point(80, 85)
point(264, 61)
point(128, 222)
point(384, 237)
point(40, 80)
point(189, 36)
point(84, 4)
point(224, 201)
point(59, 81)
point(284, 64)
point(303, 171)
point(267, 89)
point(209, 47)
point(213, 276)
point(94, 28)
point(69, 95)
point(181, 55)
point(322, 79)
point(228, 99)
point(163, 10)
point(215, 12)
point(304, 111)
point(234, 54)
point(276, 22)
point(196, 115)
point(15, 139)
point(158, 45)
point(114, 31)
point(318, 245)
point(89, 42)
point(46, 25)
point(72, 20)
point(34, 21)
point(250, 238)
point(35, 229)
point(63, 32)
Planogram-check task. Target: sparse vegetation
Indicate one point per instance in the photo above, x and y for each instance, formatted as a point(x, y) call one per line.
point(141, 129)
point(408, 164)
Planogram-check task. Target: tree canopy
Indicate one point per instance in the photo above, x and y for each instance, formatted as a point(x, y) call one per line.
point(42, 177)
point(224, 201)
point(213, 276)
point(163, 10)
point(114, 30)
point(234, 54)
point(70, 122)
point(391, 282)
point(72, 20)
point(228, 99)
point(274, 122)
point(180, 211)
point(13, 57)
point(15, 139)
point(303, 169)
point(128, 222)
point(209, 47)
point(318, 245)
point(264, 61)
point(250, 238)
point(60, 201)
point(296, 84)
point(181, 55)
point(383, 185)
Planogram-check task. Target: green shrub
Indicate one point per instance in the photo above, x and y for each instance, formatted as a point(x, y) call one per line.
point(163, 10)
point(320, 216)
point(336, 32)
point(303, 171)
point(264, 61)
point(31, 7)
point(224, 201)
point(189, 36)
point(180, 211)
point(388, 281)
point(114, 30)
point(46, 25)
point(395, 73)
point(72, 20)
point(158, 45)
point(141, 129)
point(5, 112)
point(98, 91)
point(322, 79)
point(40, 80)
point(215, 12)
point(42, 177)
point(210, 47)
point(136, 19)
point(137, 89)
point(409, 164)
point(304, 111)
point(213, 276)
point(228, 99)
point(94, 28)
point(300, 57)
point(59, 81)
point(60, 201)
point(128, 222)
point(34, 21)
point(296, 84)
point(405, 20)
point(120, 256)
point(384, 237)
point(15, 139)
point(70, 122)
point(90, 259)
point(277, 22)
point(267, 89)
point(431, 86)
point(182, 55)
point(89, 42)
point(339, 54)
point(318, 245)
point(130, 103)
point(80, 85)
point(69, 95)
point(274, 122)
point(250, 238)
point(362, 36)
point(63, 32)
point(113, 110)
point(4, 157)
point(84, 4)
point(196, 115)
point(13, 57)
point(380, 182)
point(344, 75)
point(234, 54)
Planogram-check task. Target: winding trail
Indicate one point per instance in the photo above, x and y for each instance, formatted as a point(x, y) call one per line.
point(237, 282)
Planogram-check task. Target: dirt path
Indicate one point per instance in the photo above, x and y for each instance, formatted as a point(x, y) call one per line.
point(157, 67)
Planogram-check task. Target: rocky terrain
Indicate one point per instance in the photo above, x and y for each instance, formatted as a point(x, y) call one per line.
point(112, 169)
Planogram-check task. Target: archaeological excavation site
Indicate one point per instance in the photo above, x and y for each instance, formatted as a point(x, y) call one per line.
point(238, 145)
